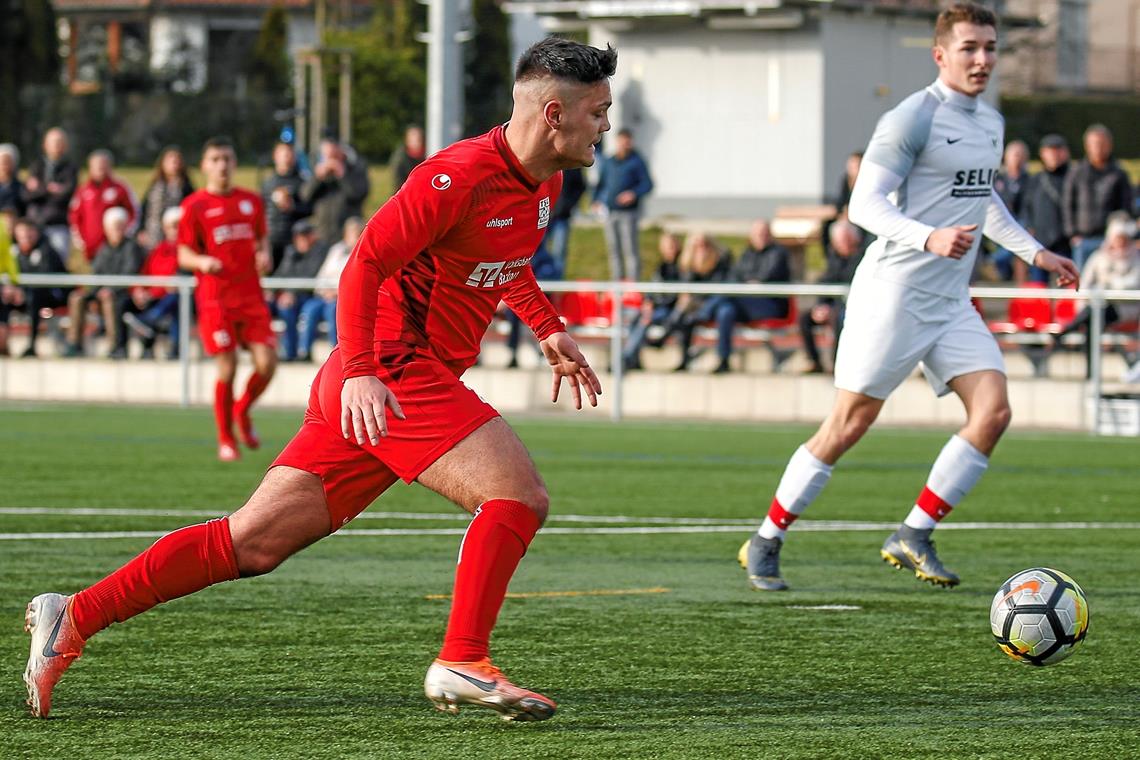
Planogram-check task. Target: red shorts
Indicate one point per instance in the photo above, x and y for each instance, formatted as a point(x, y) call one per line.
point(224, 328)
point(440, 411)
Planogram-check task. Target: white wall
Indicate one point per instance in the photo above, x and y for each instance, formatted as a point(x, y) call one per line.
point(729, 121)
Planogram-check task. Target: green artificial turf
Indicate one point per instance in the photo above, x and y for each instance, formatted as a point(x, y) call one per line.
point(325, 657)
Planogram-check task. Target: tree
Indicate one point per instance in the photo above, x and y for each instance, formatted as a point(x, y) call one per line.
point(389, 75)
point(269, 60)
point(487, 94)
point(29, 57)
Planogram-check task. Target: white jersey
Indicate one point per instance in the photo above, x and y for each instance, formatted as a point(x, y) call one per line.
point(946, 148)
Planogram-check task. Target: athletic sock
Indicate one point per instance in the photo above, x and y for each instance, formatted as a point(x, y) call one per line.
point(496, 540)
point(224, 411)
point(179, 563)
point(957, 469)
point(803, 479)
point(253, 389)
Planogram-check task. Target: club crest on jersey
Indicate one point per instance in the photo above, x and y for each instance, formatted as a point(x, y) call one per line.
point(441, 182)
point(245, 206)
point(544, 213)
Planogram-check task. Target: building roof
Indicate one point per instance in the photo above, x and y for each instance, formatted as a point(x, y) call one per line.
point(114, 5)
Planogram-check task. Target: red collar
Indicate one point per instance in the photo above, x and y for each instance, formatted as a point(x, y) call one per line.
point(499, 140)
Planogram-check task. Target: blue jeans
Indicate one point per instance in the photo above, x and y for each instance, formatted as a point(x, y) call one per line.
point(727, 311)
point(291, 315)
point(1084, 249)
point(640, 327)
point(557, 241)
point(313, 312)
point(165, 307)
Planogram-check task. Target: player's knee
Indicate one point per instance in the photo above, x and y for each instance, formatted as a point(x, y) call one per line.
point(252, 561)
point(996, 421)
point(539, 502)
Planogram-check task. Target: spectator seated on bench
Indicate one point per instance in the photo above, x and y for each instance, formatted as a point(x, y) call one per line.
point(656, 308)
point(844, 252)
point(702, 261)
point(147, 311)
point(1115, 266)
point(31, 254)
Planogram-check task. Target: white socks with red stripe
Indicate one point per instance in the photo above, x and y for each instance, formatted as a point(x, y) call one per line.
point(803, 479)
point(957, 469)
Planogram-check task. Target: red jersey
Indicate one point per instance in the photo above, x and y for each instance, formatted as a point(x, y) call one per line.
point(435, 260)
point(227, 227)
point(162, 261)
point(88, 205)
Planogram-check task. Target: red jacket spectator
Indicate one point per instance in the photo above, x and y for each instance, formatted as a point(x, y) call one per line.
point(101, 191)
point(161, 262)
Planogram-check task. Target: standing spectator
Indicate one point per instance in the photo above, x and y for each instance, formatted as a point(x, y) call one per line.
point(1115, 266)
point(102, 191)
point(762, 261)
point(1041, 210)
point(169, 186)
point(281, 193)
point(557, 239)
point(409, 155)
point(844, 252)
point(322, 306)
point(622, 182)
point(1010, 184)
point(336, 190)
point(117, 254)
point(34, 255)
point(148, 306)
point(11, 189)
point(702, 261)
point(303, 259)
point(48, 188)
point(1094, 188)
point(655, 309)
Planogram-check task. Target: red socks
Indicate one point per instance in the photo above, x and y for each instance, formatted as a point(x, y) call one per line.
point(224, 411)
point(253, 389)
point(496, 540)
point(179, 563)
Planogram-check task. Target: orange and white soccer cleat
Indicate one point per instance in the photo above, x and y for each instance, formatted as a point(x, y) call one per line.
point(227, 452)
point(451, 684)
point(55, 646)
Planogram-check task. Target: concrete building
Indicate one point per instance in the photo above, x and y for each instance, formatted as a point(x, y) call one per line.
point(744, 107)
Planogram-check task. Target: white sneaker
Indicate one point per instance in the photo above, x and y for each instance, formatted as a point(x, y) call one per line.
point(450, 684)
point(55, 645)
point(1132, 375)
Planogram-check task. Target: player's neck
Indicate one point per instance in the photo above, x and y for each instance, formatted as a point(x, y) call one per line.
point(531, 151)
point(219, 189)
point(957, 96)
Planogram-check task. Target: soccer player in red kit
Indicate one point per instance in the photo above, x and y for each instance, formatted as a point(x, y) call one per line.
point(414, 300)
point(222, 240)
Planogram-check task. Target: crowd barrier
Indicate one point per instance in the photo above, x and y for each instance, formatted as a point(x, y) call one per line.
point(614, 297)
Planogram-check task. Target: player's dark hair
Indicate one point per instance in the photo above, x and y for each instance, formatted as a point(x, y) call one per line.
point(566, 59)
point(971, 13)
point(218, 141)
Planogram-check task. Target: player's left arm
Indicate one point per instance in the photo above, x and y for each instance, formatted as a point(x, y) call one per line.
point(1004, 230)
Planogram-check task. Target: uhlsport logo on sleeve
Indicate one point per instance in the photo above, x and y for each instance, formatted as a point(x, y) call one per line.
point(544, 212)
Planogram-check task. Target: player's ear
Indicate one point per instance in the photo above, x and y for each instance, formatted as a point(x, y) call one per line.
point(554, 114)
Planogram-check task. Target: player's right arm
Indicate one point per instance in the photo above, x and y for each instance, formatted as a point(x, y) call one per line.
point(899, 137)
point(430, 203)
point(191, 240)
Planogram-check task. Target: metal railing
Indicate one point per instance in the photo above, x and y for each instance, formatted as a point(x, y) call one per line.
point(617, 290)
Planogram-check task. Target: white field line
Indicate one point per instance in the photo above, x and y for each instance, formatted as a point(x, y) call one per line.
point(811, 526)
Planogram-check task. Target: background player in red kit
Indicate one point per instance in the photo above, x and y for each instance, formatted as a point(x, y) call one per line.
point(415, 299)
point(222, 240)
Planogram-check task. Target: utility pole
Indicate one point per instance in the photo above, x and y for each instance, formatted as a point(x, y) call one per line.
point(445, 71)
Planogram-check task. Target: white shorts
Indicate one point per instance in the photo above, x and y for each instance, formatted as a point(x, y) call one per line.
point(890, 329)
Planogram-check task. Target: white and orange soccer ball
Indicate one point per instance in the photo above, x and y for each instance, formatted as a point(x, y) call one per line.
point(1039, 616)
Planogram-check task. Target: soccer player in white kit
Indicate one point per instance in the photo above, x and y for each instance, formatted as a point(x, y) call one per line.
point(925, 189)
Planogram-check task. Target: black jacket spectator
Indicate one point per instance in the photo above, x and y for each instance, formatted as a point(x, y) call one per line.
point(42, 259)
point(47, 208)
point(573, 188)
point(12, 196)
point(125, 258)
point(279, 223)
point(302, 265)
point(1090, 195)
point(336, 190)
point(840, 270)
point(666, 271)
point(1041, 210)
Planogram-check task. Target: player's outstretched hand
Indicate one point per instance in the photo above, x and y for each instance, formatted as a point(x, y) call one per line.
point(362, 413)
point(951, 242)
point(566, 360)
point(209, 264)
point(1066, 271)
